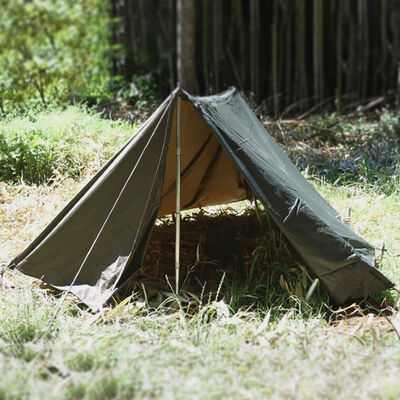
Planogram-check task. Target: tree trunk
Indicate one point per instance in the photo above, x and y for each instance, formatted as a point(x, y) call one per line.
point(339, 58)
point(254, 47)
point(318, 51)
point(205, 38)
point(288, 26)
point(275, 55)
point(186, 66)
point(217, 11)
point(300, 53)
point(114, 39)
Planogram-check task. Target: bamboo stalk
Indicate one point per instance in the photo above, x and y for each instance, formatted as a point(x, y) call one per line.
point(132, 34)
point(339, 60)
point(383, 46)
point(205, 33)
point(254, 46)
point(289, 52)
point(318, 50)
point(366, 44)
point(350, 70)
point(143, 29)
point(396, 48)
point(300, 52)
point(171, 45)
point(275, 84)
point(242, 42)
point(217, 47)
point(229, 46)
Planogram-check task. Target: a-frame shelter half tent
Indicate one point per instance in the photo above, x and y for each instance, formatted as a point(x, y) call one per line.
point(99, 239)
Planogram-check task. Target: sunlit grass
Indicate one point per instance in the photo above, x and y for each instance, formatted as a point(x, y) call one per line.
point(40, 145)
point(212, 354)
point(374, 216)
point(224, 349)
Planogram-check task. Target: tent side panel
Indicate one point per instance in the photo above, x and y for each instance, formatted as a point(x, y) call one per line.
point(113, 214)
point(59, 217)
point(342, 260)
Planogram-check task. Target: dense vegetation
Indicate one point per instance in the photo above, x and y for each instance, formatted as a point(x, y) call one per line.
point(287, 56)
point(290, 54)
point(53, 51)
point(39, 145)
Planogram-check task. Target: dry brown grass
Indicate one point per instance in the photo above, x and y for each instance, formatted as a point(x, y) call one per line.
point(26, 210)
point(146, 353)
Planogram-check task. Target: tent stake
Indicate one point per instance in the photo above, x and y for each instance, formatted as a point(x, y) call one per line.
point(178, 194)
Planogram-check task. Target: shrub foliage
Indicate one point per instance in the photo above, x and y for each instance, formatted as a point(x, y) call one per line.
point(39, 145)
point(52, 50)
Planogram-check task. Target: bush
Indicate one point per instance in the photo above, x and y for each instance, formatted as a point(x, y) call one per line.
point(37, 146)
point(53, 51)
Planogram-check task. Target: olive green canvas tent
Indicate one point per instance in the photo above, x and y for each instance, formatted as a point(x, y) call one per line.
point(223, 154)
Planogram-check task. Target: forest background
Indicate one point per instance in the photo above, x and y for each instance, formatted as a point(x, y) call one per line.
point(287, 56)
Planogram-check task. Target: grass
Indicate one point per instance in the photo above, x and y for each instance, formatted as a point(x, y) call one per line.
point(374, 216)
point(153, 354)
point(282, 348)
point(38, 146)
point(231, 250)
point(362, 150)
point(221, 351)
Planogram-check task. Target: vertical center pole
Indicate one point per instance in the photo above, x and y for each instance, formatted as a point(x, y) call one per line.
point(178, 194)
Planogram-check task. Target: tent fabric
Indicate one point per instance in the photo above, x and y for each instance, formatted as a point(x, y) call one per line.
point(100, 237)
point(208, 175)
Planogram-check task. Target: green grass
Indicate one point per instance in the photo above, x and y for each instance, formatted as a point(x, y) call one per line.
point(362, 150)
point(374, 216)
point(40, 145)
point(284, 347)
point(214, 354)
point(221, 351)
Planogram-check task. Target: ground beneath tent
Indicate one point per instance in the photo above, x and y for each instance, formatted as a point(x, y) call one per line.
point(220, 251)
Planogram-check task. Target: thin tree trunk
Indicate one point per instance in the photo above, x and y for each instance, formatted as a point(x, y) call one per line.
point(242, 42)
point(129, 39)
point(254, 46)
point(382, 69)
point(395, 74)
point(114, 40)
point(364, 46)
point(339, 59)
point(318, 50)
point(289, 51)
point(350, 69)
point(300, 51)
point(275, 83)
point(217, 40)
point(205, 38)
point(132, 34)
point(143, 30)
point(186, 46)
point(171, 44)
point(229, 46)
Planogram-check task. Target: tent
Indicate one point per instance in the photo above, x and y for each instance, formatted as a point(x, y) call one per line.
point(224, 154)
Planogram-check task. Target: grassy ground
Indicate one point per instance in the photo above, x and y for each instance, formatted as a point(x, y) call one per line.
point(281, 351)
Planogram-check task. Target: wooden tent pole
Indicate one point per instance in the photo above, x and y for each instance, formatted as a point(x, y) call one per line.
point(178, 194)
